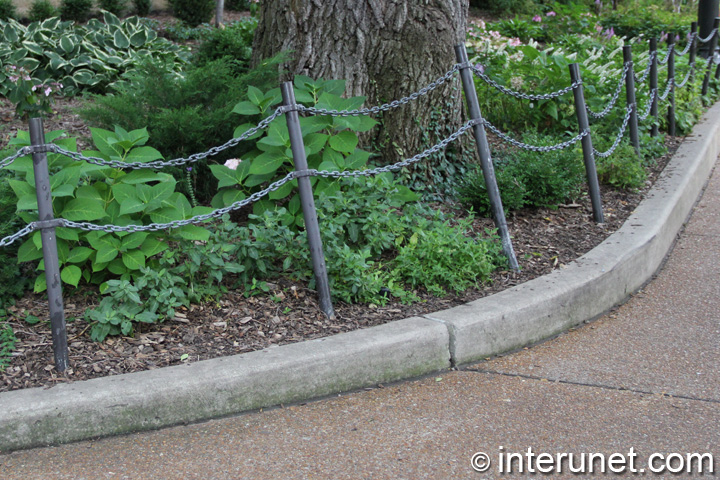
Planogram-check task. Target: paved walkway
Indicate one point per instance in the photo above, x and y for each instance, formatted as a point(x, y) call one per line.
point(645, 376)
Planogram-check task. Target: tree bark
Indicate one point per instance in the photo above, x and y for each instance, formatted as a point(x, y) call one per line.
point(384, 49)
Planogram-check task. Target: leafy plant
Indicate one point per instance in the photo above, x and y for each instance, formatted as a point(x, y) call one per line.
point(12, 280)
point(75, 10)
point(623, 169)
point(41, 10)
point(183, 114)
point(7, 345)
point(88, 192)
point(193, 12)
point(83, 58)
point(116, 7)
point(330, 144)
point(142, 7)
point(233, 41)
point(31, 98)
point(7, 10)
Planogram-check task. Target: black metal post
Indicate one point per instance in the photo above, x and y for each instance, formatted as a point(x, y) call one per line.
point(713, 45)
point(630, 98)
point(49, 248)
point(485, 159)
point(671, 79)
point(587, 146)
point(693, 50)
point(707, 11)
point(653, 86)
point(307, 201)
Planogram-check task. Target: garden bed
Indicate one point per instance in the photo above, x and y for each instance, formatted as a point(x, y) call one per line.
point(544, 240)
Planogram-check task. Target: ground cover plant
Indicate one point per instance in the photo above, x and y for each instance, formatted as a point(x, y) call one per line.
point(384, 243)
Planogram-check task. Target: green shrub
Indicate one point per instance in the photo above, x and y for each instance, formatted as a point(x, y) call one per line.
point(183, 114)
point(142, 7)
point(116, 7)
point(237, 5)
point(12, 281)
point(7, 343)
point(76, 10)
point(193, 12)
point(7, 10)
point(41, 10)
point(623, 169)
point(504, 6)
point(529, 179)
point(234, 41)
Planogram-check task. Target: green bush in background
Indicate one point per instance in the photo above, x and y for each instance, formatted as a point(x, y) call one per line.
point(7, 10)
point(142, 7)
point(116, 7)
point(75, 10)
point(193, 12)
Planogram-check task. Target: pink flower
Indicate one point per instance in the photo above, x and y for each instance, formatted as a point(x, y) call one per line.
point(514, 42)
point(34, 87)
point(233, 163)
point(48, 91)
point(550, 14)
point(537, 18)
point(480, 67)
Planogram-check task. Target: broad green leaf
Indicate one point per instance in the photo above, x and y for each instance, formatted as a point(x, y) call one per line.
point(283, 191)
point(63, 191)
point(66, 44)
point(144, 176)
point(267, 163)
point(246, 108)
point(315, 124)
point(89, 193)
point(40, 284)
point(117, 267)
point(231, 196)
point(131, 205)
point(67, 234)
point(106, 255)
point(71, 275)
point(156, 194)
point(139, 38)
point(121, 40)
point(226, 176)
point(166, 215)
point(134, 259)
point(277, 135)
point(27, 202)
point(79, 254)
point(314, 143)
point(239, 131)
point(345, 141)
point(102, 241)
point(143, 155)
point(81, 210)
point(133, 241)
point(357, 160)
point(152, 246)
point(255, 95)
point(28, 252)
point(183, 206)
point(194, 232)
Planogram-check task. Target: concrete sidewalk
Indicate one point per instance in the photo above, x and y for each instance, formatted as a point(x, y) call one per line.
point(645, 376)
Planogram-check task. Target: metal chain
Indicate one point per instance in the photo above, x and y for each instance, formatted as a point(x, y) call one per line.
point(19, 234)
point(619, 136)
point(667, 56)
point(668, 86)
point(516, 94)
point(687, 77)
point(708, 38)
point(387, 106)
point(687, 47)
point(648, 108)
point(614, 98)
point(20, 153)
point(647, 69)
point(169, 163)
point(536, 148)
point(87, 226)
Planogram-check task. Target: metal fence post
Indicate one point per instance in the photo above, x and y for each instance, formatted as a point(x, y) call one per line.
point(693, 49)
point(630, 98)
point(49, 247)
point(587, 146)
point(711, 56)
point(654, 86)
point(484, 152)
point(307, 201)
point(671, 78)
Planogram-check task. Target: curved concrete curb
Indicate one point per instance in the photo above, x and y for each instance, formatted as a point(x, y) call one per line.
point(403, 349)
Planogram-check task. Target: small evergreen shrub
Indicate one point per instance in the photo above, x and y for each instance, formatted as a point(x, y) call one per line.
point(116, 7)
point(75, 10)
point(193, 12)
point(234, 41)
point(142, 7)
point(7, 10)
point(41, 10)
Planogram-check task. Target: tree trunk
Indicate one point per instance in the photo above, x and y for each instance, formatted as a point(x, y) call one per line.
point(384, 49)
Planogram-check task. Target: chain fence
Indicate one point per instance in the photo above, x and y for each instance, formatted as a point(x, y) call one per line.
point(645, 74)
point(619, 136)
point(687, 48)
point(615, 95)
point(525, 96)
point(708, 38)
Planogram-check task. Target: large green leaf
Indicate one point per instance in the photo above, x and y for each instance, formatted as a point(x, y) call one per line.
point(81, 210)
point(152, 246)
point(71, 275)
point(194, 232)
point(134, 259)
point(79, 254)
point(28, 252)
point(134, 240)
point(143, 155)
point(246, 108)
point(121, 40)
point(345, 141)
point(267, 163)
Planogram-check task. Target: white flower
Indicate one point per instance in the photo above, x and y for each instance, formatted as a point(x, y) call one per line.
point(233, 163)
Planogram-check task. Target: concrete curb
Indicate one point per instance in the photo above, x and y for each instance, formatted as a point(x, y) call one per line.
point(403, 349)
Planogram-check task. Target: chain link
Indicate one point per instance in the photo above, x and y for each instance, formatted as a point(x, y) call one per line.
point(708, 38)
point(687, 77)
point(647, 69)
point(30, 227)
point(687, 47)
point(619, 136)
point(648, 108)
point(667, 55)
point(516, 94)
point(614, 98)
point(385, 107)
point(169, 163)
point(20, 153)
point(536, 148)
point(668, 87)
